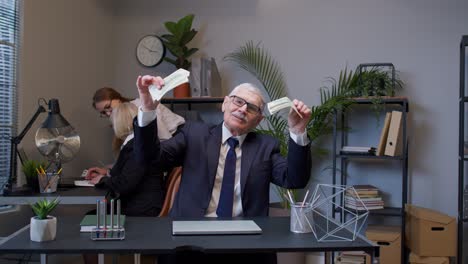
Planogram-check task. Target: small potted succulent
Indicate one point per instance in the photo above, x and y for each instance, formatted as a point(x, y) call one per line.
point(43, 226)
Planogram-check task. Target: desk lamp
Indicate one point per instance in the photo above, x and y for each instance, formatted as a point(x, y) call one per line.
point(55, 139)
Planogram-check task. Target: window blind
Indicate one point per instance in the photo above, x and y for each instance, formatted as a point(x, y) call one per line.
point(9, 46)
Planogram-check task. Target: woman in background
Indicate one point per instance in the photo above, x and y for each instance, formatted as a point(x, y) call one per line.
point(106, 99)
point(139, 188)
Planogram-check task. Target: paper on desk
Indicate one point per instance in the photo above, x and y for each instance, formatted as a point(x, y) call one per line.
point(84, 183)
point(279, 104)
point(170, 82)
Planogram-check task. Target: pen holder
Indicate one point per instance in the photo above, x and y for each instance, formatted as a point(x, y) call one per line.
point(48, 182)
point(301, 218)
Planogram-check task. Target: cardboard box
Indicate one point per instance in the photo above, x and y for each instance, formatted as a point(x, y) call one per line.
point(415, 259)
point(430, 233)
point(389, 240)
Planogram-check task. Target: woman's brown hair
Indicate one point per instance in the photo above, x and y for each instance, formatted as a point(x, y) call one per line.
point(107, 93)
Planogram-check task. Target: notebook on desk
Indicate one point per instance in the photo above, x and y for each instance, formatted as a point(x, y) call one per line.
point(215, 227)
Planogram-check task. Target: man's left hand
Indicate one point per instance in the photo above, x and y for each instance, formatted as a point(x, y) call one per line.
point(297, 125)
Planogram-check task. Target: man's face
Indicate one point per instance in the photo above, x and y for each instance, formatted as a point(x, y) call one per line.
point(242, 111)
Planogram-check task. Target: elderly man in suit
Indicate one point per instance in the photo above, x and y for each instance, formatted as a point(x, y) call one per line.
point(227, 169)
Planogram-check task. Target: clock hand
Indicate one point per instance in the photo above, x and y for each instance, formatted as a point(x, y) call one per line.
point(148, 48)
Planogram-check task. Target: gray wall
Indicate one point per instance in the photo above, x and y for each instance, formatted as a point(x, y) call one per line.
point(67, 53)
point(73, 47)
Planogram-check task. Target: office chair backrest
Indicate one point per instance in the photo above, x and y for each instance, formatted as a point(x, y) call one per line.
point(173, 181)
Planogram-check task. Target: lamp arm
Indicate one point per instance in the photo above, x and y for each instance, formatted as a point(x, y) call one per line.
point(17, 139)
point(14, 150)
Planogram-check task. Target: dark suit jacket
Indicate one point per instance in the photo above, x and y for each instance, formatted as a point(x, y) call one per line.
point(139, 187)
point(196, 147)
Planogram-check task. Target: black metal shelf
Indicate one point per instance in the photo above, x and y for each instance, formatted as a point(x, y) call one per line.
point(340, 139)
point(371, 157)
point(386, 211)
point(463, 99)
point(400, 100)
point(192, 100)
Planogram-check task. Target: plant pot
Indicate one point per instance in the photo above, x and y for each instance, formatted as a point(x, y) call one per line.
point(33, 183)
point(43, 229)
point(182, 90)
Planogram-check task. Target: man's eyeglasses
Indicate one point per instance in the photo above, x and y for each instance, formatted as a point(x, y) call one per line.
point(107, 110)
point(251, 108)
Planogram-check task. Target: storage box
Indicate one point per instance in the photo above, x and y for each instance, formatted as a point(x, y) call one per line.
point(430, 233)
point(389, 240)
point(415, 259)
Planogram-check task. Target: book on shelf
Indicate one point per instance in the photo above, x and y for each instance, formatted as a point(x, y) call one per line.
point(365, 187)
point(366, 199)
point(384, 135)
point(88, 223)
point(362, 208)
point(367, 204)
point(355, 257)
point(352, 150)
point(394, 145)
point(368, 194)
point(357, 148)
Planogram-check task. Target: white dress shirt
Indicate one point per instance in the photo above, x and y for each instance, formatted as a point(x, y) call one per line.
point(144, 118)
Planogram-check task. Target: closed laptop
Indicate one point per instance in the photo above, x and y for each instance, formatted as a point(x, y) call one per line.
point(215, 227)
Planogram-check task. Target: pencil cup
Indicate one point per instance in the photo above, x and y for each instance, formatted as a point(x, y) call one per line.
point(48, 182)
point(301, 218)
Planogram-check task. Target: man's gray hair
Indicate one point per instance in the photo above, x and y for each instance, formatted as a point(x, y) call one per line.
point(249, 87)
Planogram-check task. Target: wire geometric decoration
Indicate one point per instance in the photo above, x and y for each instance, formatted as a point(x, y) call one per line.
point(349, 223)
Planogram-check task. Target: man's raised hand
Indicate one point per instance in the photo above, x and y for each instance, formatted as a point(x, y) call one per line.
point(298, 124)
point(143, 83)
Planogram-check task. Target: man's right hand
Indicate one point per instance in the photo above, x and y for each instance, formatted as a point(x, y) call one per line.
point(143, 83)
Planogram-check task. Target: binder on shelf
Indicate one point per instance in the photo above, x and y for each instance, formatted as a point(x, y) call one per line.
point(384, 135)
point(394, 144)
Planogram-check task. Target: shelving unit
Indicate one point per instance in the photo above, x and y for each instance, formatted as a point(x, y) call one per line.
point(462, 158)
point(192, 100)
point(340, 139)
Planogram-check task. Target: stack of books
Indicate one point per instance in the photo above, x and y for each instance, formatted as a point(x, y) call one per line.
point(350, 150)
point(366, 197)
point(352, 257)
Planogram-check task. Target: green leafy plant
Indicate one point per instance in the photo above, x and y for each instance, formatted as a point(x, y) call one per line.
point(29, 169)
point(375, 82)
point(181, 33)
point(334, 97)
point(42, 208)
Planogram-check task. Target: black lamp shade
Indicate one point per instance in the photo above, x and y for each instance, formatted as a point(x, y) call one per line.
point(54, 118)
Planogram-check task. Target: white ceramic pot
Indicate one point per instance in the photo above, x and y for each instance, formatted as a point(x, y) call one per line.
point(43, 229)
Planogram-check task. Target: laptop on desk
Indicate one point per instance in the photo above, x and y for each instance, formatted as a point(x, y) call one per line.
point(215, 227)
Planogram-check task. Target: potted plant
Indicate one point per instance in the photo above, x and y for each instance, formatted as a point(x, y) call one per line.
point(43, 226)
point(181, 33)
point(30, 168)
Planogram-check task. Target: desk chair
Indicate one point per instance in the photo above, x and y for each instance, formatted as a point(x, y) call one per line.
point(173, 181)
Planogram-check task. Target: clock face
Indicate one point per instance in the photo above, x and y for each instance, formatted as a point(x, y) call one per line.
point(150, 51)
